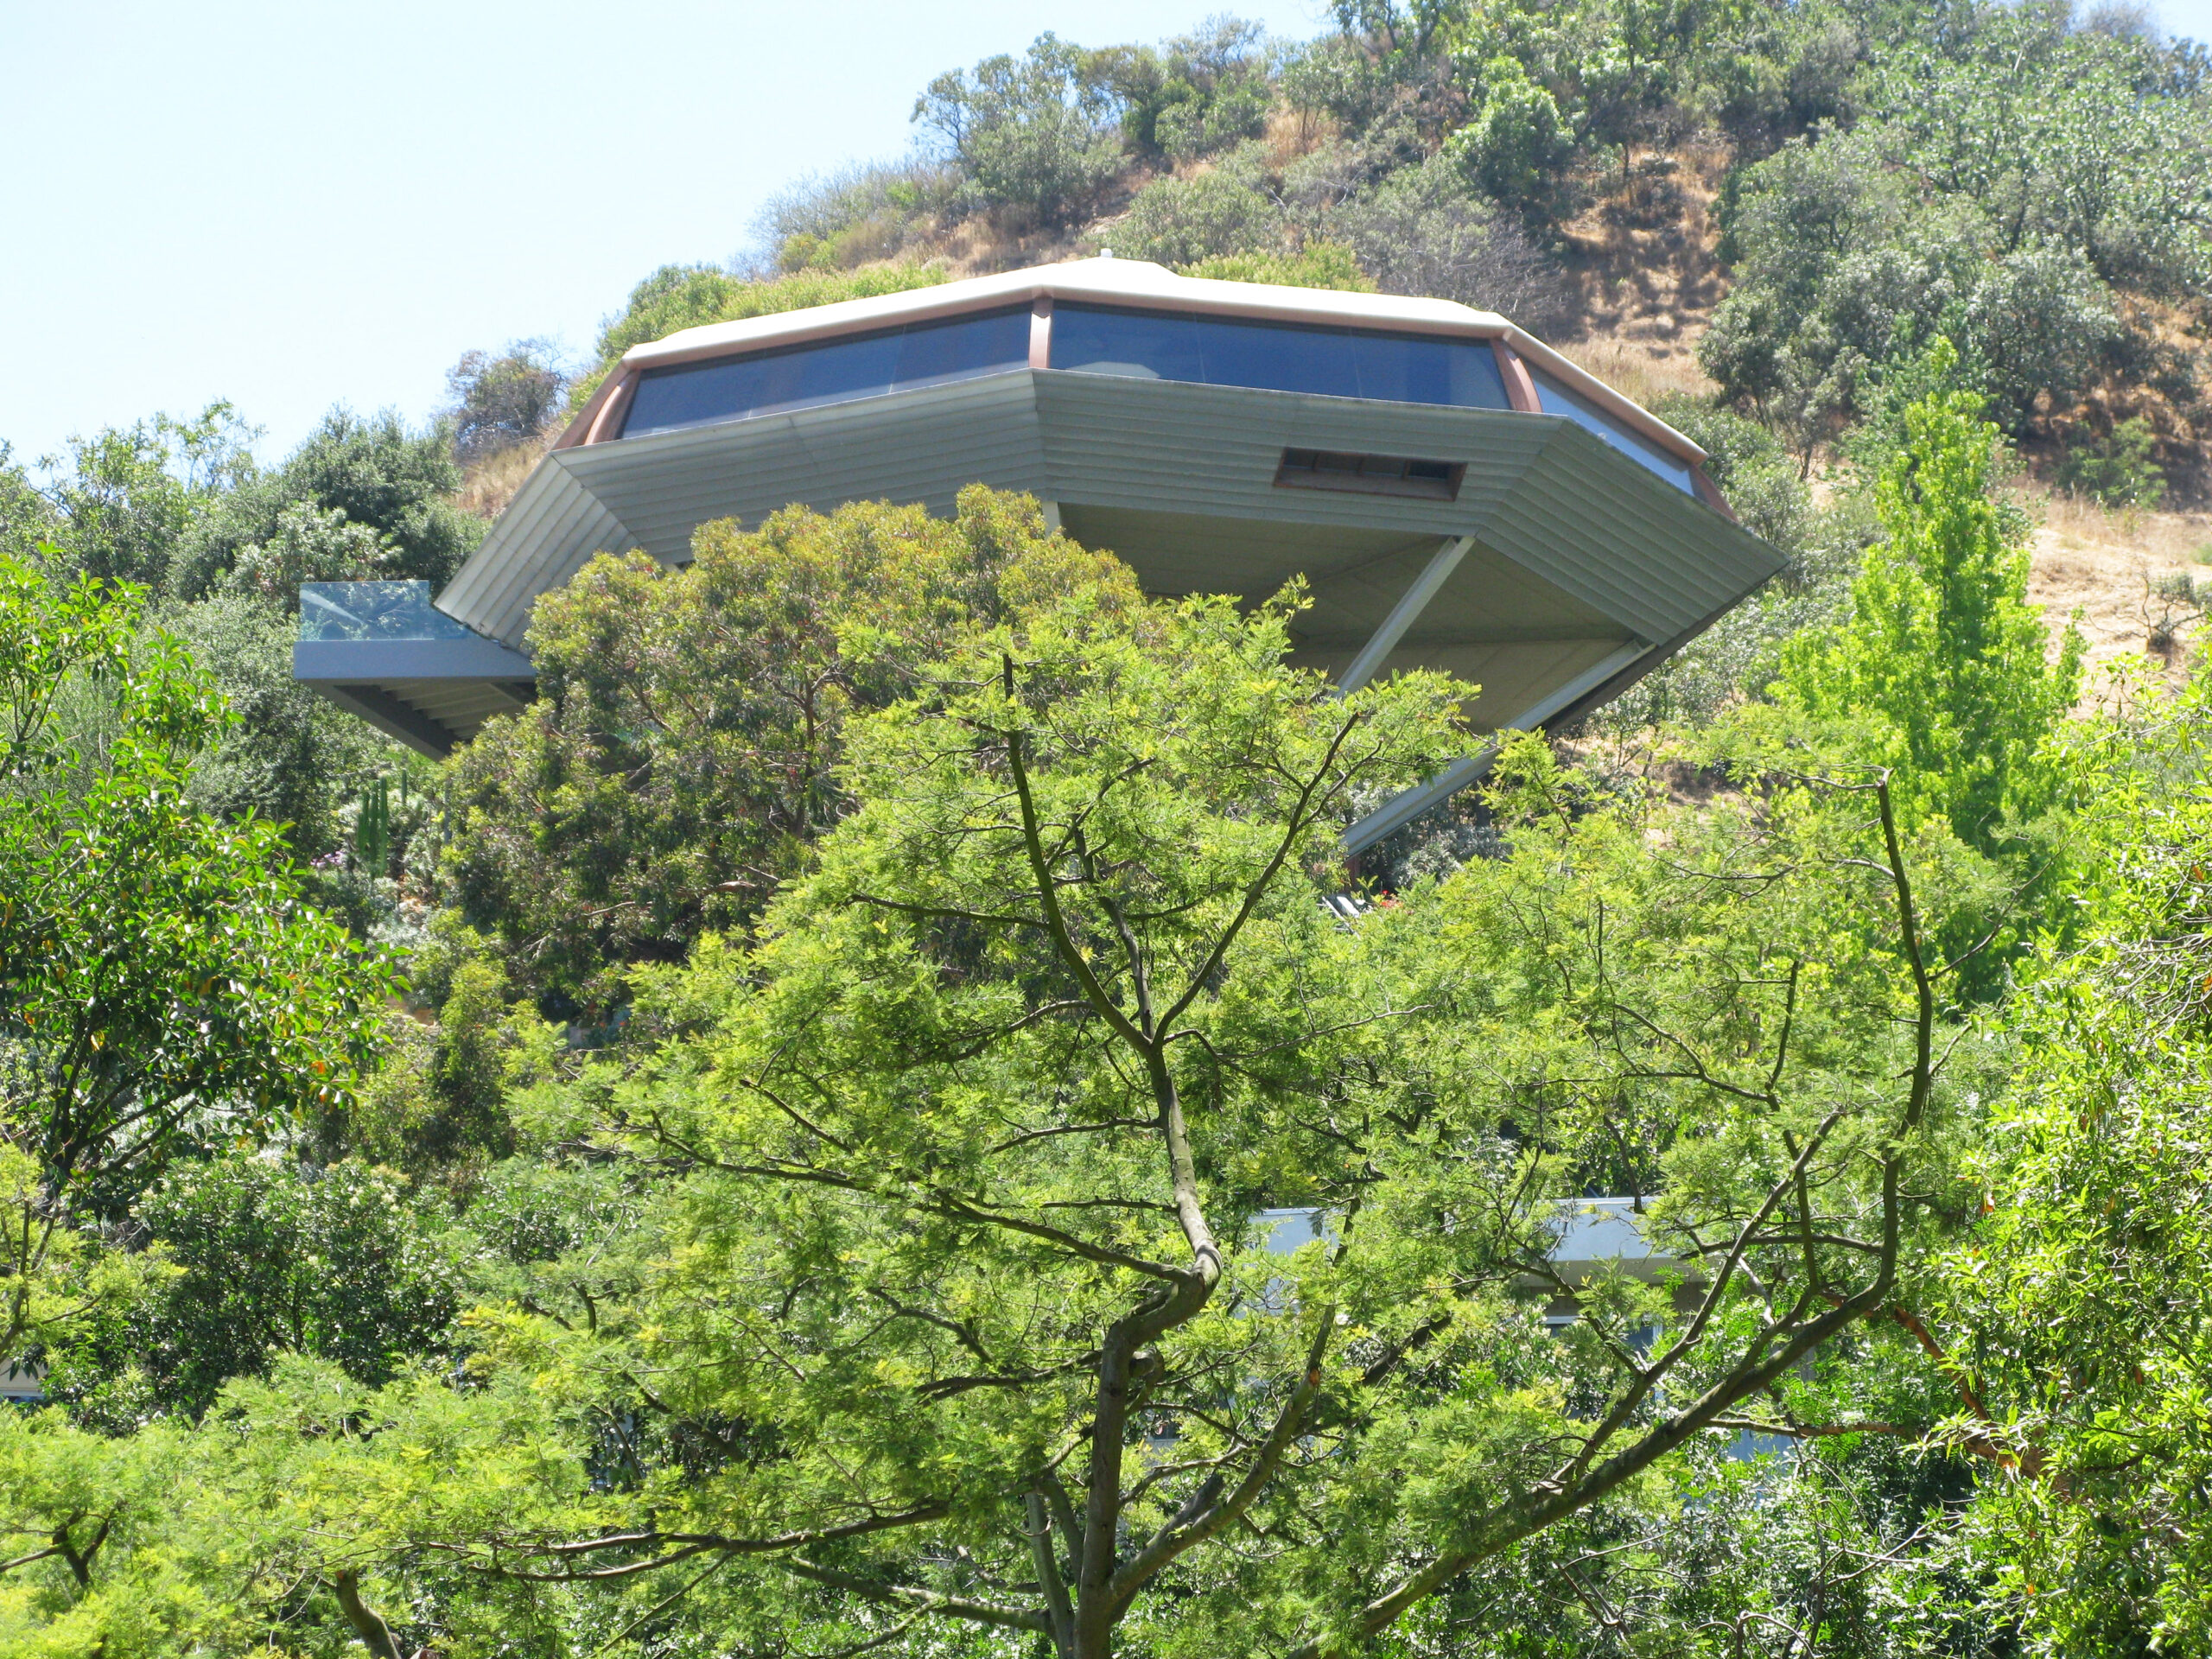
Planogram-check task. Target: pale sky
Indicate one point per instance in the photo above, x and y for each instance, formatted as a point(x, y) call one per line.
point(296, 205)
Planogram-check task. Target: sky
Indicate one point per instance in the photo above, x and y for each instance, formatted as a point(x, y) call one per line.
point(291, 206)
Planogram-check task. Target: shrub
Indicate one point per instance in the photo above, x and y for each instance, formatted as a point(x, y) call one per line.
point(499, 402)
point(1198, 94)
point(1318, 264)
point(1181, 221)
point(682, 755)
point(1516, 147)
point(270, 1258)
point(1036, 134)
point(855, 216)
point(2116, 469)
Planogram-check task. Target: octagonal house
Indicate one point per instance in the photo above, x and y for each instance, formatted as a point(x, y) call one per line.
point(1457, 494)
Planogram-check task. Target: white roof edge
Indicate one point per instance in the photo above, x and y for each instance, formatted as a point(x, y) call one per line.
point(1137, 282)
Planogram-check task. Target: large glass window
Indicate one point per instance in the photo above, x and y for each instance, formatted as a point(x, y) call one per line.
point(1277, 356)
point(828, 372)
point(1558, 400)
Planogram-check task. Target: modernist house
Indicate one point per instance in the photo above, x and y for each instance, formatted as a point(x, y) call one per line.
point(1457, 494)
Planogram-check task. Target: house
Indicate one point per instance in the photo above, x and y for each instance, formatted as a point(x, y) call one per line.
point(1457, 494)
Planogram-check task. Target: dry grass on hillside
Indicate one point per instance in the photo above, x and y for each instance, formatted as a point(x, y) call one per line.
point(2097, 570)
point(1631, 366)
point(492, 483)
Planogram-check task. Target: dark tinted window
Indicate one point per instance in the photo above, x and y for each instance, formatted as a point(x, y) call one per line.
point(1558, 400)
point(828, 372)
point(1277, 356)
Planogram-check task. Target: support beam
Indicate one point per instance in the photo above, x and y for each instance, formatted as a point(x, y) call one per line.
point(392, 717)
point(1404, 615)
point(1403, 809)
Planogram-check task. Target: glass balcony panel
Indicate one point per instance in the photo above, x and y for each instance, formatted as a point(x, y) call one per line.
point(373, 610)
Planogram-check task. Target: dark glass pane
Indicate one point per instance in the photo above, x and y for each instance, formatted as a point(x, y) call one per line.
point(1148, 346)
point(1278, 357)
point(954, 352)
point(1470, 372)
point(1558, 400)
point(801, 377)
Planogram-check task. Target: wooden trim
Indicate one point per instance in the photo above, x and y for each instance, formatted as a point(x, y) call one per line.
point(609, 423)
point(1040, 332)
point(1709, 492)
point(1520, 389)
point(577, 432)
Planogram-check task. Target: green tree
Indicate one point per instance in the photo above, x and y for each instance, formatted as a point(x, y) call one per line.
point(1943, 658)
point(2079, 1308)
point(267, 1258)
point(682, 752)
point(969, 1311)
point(499, 402)
point(163, 988)
point(1037, 134)
point(131, 495)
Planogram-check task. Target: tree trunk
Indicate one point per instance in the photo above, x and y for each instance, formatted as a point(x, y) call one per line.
point(376, 1634)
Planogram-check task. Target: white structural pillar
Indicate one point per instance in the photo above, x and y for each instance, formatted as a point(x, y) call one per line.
point(1403, 809)
point(1403, 614)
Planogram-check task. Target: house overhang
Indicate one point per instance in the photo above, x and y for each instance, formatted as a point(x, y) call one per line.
point(431, 695)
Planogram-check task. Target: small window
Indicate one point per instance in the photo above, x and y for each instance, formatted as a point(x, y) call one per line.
point(1332, 469)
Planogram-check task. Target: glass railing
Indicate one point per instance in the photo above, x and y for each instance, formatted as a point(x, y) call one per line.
point(373, 610)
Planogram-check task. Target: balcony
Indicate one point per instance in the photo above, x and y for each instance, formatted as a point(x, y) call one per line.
point(383, 650)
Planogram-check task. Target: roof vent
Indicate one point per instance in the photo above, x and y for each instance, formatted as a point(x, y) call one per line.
point(1332, 469)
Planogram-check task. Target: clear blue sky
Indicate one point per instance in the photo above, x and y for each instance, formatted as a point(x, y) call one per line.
point(299, 204)
point(291, 205)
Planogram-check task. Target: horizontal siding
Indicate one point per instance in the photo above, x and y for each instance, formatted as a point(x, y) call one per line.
point(1166, 447)
point(1607, 531)
point(1584, 524)
point(911, 447)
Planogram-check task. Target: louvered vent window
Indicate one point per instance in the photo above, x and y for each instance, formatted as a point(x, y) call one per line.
point(1332, 469)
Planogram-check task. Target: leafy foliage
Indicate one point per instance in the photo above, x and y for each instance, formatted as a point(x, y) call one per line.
point(266, 1258)
point(682, 752)
point(165, 989)
point(1943, 653)
point(1035, 134)
point(499, 402)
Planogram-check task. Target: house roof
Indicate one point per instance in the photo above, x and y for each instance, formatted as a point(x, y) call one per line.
point(1132, 283)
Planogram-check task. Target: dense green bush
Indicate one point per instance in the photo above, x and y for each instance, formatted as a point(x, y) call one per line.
point(2117, 468)
point(1174, 221)
point(1844, 277)
point(1195, 94)
point(1318, 264)
point(1037, 135)
point(266, 1257)
point(396, 482)
point(682, 755)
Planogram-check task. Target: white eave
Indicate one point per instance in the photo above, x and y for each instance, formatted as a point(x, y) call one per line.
point(1139, 284)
